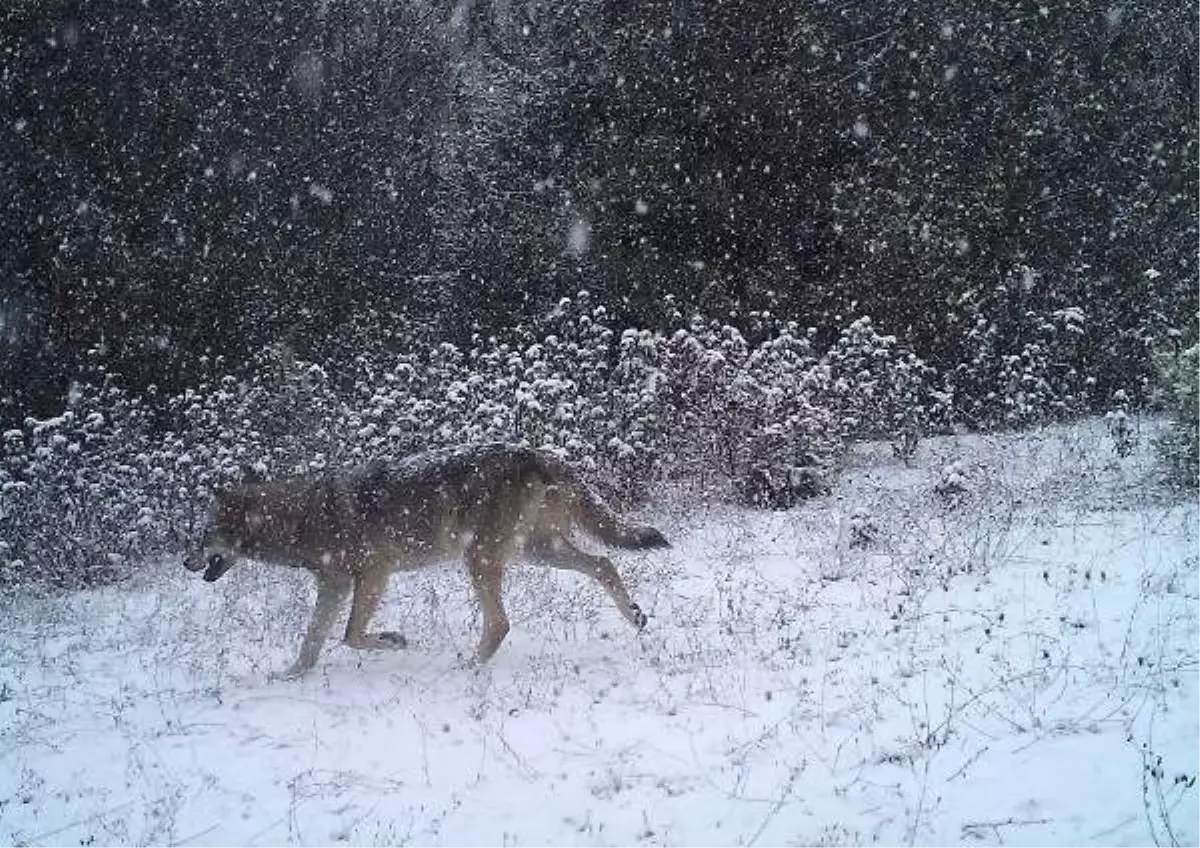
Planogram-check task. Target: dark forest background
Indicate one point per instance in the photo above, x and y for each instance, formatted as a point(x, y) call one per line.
point(184, 179)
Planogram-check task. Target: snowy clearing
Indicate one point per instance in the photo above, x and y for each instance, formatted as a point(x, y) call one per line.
point(1012, 661)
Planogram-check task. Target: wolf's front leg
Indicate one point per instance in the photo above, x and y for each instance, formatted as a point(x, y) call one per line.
point(331, 592)
point(369, 586)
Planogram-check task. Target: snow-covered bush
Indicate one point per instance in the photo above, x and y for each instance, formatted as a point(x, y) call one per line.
point(787, 443)
point(706, 405)
point(863, 528)
point(1119, 426)
point(1019, 381)
point(877, 388)
point(630, 407)
point(543, 389)
point(284, 418)
point(115, 478)
point(1179, 447)
point(86, 493)
point(952, 481)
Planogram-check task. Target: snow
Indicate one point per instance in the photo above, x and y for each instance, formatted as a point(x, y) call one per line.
point(579, 237)
point(321, 193)
point(1005, 663)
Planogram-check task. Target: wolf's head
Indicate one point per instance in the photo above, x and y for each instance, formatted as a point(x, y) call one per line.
point(233, 522)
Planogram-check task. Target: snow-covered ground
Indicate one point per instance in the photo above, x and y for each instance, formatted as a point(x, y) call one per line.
point(1013, 663)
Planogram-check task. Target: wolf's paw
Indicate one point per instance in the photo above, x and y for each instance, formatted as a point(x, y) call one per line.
point(392, 639)
point(292, 673)
point(639, 618)
point(386, 641)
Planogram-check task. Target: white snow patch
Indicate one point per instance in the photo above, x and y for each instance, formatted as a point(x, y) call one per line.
point(579, 236)
point(321, 192)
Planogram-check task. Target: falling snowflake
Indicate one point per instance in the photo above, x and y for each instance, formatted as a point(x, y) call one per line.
point(578, 237)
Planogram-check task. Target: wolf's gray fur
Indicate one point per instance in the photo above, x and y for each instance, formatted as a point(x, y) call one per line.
point(352, 528)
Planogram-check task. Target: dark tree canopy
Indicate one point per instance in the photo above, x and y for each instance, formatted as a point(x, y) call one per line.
point(194, 178)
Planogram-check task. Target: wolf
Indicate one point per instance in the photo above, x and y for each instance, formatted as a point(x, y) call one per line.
point(488, 503)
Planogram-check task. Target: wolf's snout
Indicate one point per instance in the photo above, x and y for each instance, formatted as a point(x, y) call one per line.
point(192, 562)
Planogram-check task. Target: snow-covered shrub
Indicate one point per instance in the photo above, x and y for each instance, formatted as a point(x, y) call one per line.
point(1120, 428)
point(863, 529)
point(877, 388)
point(706, 405)
point(538, 389)
point(116, 478)
point(637, 406)
point(952, 481)
point(86, 493)
point(792, 444)
point(763, 420)
point(284, 418)
point(1180, 395)
point(1019, 381)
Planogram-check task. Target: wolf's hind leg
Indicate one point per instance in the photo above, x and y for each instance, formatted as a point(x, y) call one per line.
point(368, 592)
point(557, 551)
point(331, 592)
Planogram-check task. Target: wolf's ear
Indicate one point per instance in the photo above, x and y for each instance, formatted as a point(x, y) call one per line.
point(250, 474)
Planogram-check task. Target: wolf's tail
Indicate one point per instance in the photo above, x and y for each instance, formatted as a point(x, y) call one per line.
point(593, 515)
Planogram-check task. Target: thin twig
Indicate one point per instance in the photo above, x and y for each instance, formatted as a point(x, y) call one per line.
point(43, 836)
point(973, 828)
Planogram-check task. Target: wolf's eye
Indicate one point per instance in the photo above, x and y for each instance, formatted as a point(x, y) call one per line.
point(215, 561)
